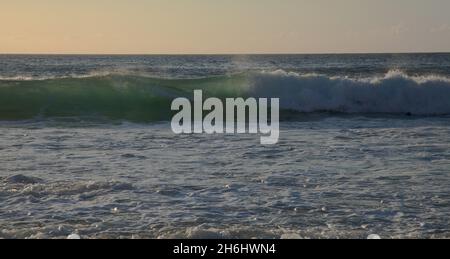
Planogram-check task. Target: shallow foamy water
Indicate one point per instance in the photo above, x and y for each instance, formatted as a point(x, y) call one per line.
point(329, 177)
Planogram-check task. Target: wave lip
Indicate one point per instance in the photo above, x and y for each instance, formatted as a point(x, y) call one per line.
point(395, 93)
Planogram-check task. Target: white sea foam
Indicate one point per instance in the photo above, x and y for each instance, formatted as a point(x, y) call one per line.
point(373, 237)
point(396, 92)
point(74, 237)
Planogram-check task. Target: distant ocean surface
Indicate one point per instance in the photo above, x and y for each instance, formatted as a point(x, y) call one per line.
point(86, 147)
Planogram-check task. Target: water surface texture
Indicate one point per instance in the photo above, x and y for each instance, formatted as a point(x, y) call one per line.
point(86, 147)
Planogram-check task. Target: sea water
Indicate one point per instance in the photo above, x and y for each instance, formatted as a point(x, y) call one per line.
point(86, 148)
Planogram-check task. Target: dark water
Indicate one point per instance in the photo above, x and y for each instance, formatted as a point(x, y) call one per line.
point(352, 65)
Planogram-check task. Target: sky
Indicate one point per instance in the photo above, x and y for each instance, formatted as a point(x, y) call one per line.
point(223, 26)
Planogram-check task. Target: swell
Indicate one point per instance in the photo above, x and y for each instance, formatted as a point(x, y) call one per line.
point(143, 99)
point(116, 97)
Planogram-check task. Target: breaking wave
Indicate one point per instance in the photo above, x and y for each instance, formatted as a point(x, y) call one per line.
point(142, 99)
point(395, 93)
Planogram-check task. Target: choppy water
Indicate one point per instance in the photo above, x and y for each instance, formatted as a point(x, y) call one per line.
point(327, 178)
point(34, 67)
point(365, 168)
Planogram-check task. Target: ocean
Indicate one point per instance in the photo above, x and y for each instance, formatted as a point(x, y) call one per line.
point(86, 147)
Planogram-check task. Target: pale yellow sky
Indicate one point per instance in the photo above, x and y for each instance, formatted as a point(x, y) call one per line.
point(223, 26)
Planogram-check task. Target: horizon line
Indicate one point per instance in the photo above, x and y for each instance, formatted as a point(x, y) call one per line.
point(222, 54)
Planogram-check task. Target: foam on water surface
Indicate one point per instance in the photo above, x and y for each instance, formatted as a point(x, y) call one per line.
point(381, 175)
point(363, 152)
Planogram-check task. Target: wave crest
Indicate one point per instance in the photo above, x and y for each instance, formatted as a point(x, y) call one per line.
point(144, 99)
point(395, 93)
